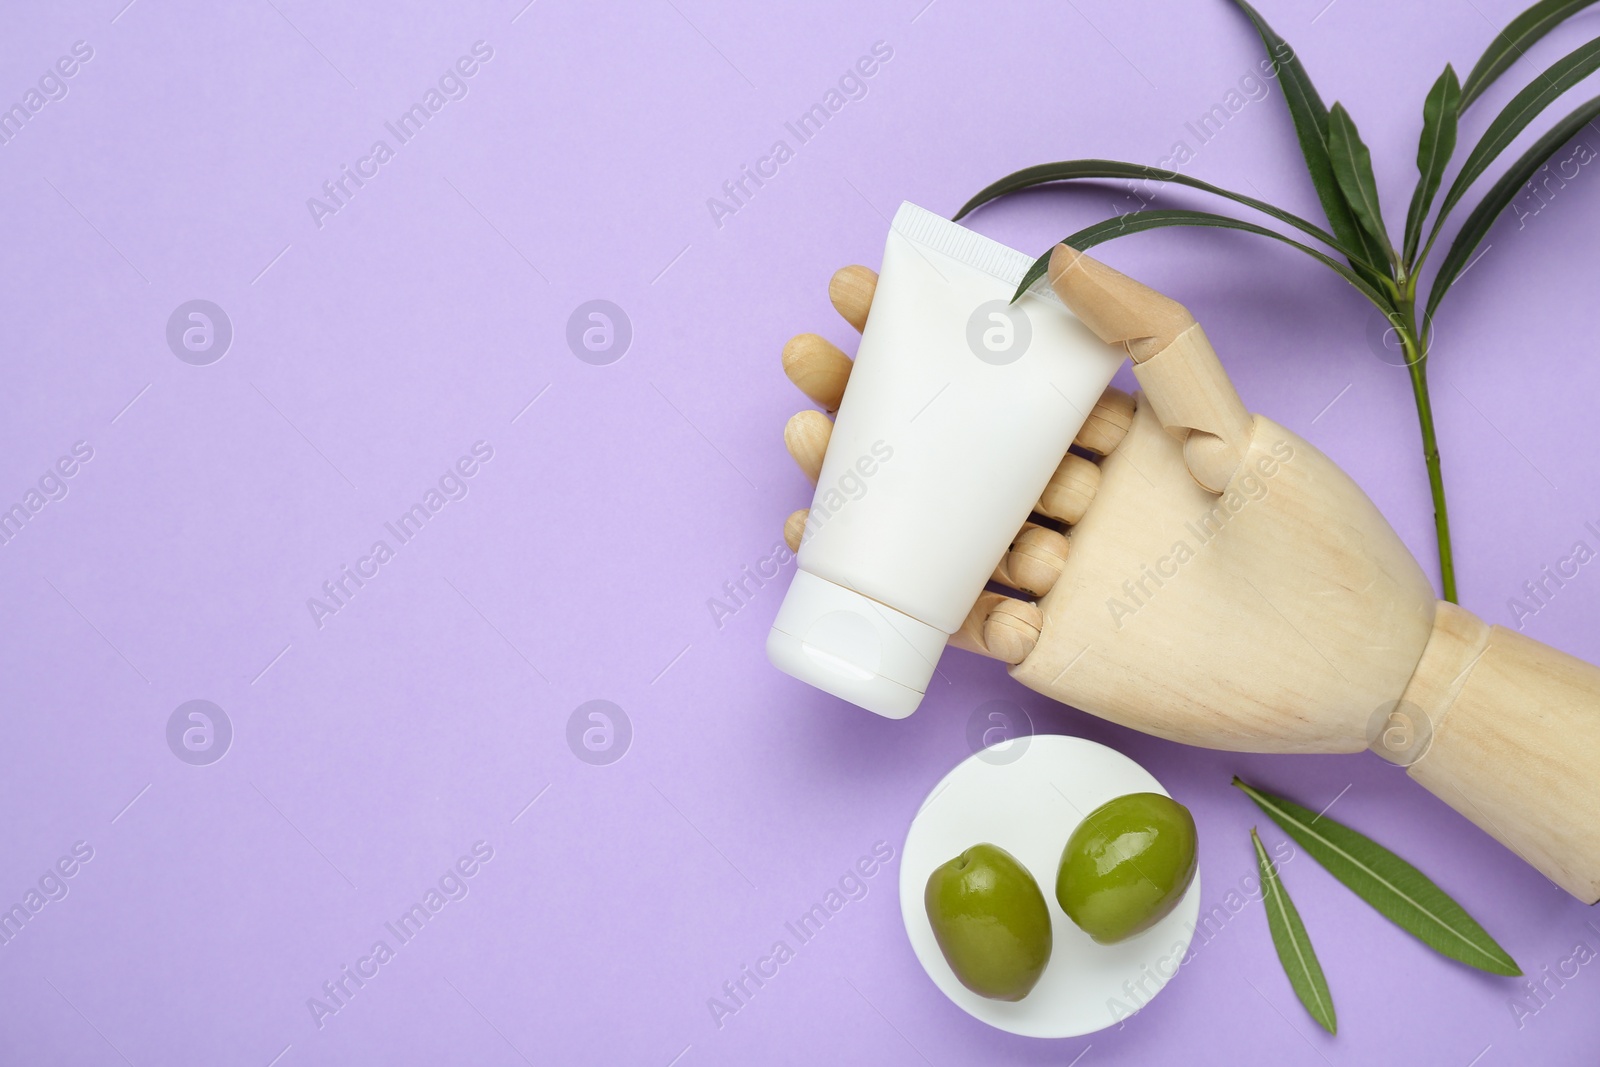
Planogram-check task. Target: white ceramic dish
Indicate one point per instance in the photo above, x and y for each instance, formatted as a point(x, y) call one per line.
point(1029, 804)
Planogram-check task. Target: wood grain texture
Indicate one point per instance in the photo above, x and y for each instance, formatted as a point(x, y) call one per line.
point(1034, 561)
point(1191, 394)
point(1515, 743)
point(1276, 617)
point(851, 290)
point(1107, 423)
point(1071, 490)
point(999, 627)
point(818, 368)
point(806, 437)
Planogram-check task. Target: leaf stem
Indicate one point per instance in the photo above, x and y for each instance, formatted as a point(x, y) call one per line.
point(1415, 344)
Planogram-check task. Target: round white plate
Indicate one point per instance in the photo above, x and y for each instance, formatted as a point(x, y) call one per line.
point(1027, 796)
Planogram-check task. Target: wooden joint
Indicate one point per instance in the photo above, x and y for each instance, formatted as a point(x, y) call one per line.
point(1196, 403)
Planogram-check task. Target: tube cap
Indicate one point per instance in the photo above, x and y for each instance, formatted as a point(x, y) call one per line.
point(854, 647)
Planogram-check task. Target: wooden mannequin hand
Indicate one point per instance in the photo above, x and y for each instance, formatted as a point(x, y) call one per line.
point(1276, 615)
point(1222, 583)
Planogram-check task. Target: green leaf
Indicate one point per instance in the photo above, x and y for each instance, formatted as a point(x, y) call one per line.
point(1352, 167)
point(1310, 117)
point(1440, 111)
point(1399, 891)
point(1514, 40)
point(1140, 221)
point(1069, 170)
point(1566, 72)
point(1294, 947)
point(1502, 193)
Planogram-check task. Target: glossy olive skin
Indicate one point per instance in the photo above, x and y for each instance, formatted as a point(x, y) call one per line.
point(1127, 865)
point(991, 921)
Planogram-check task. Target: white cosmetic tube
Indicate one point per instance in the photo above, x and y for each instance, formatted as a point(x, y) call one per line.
point(959, 408)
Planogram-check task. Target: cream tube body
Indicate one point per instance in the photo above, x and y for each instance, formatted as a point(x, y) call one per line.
point(959, 408)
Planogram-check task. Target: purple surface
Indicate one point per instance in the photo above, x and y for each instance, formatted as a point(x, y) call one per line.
point(369, 753)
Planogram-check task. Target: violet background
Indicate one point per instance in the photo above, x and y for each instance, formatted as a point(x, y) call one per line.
point(370, 353)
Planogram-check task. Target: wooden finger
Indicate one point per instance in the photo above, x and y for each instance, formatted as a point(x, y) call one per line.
point(806, 437)
point(1108, 423)
point(970, 636)
point(1012, 630)
point(1118, 309)
point(1000, 627)
point(1071, 489)
point(818, 367)
point(794, 527)
point(1034, 561)
point(851, 290)
point(1174, 362)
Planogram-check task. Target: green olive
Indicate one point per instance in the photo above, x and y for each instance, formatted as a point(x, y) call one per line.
point(991, 922)
point(1127, 865)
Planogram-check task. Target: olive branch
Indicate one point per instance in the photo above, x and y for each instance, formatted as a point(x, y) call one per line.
point(1340, 166)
